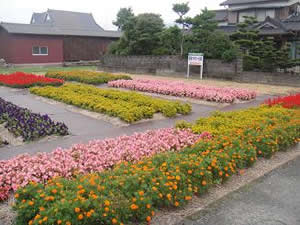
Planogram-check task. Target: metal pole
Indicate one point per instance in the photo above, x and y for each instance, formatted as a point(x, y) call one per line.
point(201, 72)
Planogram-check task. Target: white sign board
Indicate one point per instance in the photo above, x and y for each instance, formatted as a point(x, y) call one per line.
point(195, 59)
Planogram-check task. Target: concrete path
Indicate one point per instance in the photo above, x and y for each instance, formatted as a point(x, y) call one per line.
point(272, 200)
point(84, 128)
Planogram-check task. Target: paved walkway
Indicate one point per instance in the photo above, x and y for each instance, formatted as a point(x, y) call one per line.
point(84, 128)
point(272, 200)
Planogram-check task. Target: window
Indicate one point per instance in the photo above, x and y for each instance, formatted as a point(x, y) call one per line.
point(37, 50)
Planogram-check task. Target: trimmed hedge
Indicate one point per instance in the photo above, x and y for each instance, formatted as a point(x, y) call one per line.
point(130, 193)
point(128, 106)
point(88, 77)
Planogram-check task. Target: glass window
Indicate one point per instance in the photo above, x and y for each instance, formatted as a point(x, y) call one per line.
point(44, 50)
point(35, 50)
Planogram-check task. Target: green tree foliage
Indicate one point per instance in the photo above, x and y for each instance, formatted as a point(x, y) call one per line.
point(260, 53)
point(141, 35)
point(123, 17)
point(206, 39)
point(181, 9)
point(170, 39)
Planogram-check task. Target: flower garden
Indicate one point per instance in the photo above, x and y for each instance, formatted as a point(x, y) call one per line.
point(128, 106)
point(181, 89)
point(23, 80)
point(30, 126)
point(88, 77)
point(127, 179)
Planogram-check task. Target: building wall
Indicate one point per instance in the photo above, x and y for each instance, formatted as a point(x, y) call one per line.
point(21, 49)
point(5, 45)
point(85, 48)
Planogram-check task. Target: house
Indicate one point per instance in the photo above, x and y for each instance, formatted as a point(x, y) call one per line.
point(54, 36)
point(277, 18)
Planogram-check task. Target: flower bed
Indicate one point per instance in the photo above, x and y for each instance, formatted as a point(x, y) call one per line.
point(291, 101)
point(181, 89)
point(30, 126)
point(220, 122)
point(95, 156)
point(88, 77)
point(23, 80)
point(130, 193)
point(128, 106)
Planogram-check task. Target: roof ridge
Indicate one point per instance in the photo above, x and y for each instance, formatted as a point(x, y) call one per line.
point(59, 10)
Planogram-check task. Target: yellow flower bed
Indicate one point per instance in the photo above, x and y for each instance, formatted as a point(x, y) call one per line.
point(88, 77)
point(128, 106)
point(222, 122)
point(131, 193)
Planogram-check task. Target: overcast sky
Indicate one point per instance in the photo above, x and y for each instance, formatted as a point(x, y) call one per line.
point(20, 11)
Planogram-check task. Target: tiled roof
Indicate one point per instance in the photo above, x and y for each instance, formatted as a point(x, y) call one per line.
point(61, 23)
point(235, 2)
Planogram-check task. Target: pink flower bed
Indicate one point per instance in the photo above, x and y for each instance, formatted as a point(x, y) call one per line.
point(181, 89)
point(95, 156)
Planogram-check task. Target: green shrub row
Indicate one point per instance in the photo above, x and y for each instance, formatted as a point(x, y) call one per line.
point(128, 106)
point(88, 77)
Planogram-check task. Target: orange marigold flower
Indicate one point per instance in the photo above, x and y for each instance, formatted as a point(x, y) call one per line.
point(45, 218)
point(42, 209)
point(148, 218)
point(177, 177)
point(106, 203)
point(59, 222)
point(176, 204)
point(190, 171)
point(220, 173)
point(89, 214)
point(31, 203)
point(204, 183)
point(106, 209)
point(148, 206)
point(68, 223)
point(134, 207)
point(30, 222)
point(187, 198)
point(141, 193)
point(17, 195)
point(152, 213)
point(77, 210)
point(114, 221)
point(80, 217)
point(54, 191)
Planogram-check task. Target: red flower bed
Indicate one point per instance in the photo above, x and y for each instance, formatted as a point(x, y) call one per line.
point(291, 101)
point(23, 80)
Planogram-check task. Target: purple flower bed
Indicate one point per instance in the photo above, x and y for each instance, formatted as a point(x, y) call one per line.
point(30, 126)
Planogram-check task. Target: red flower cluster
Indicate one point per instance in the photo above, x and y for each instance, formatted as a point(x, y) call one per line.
point(23, 80)
point(291, 101)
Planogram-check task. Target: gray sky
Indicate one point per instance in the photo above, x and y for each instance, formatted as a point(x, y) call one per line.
point(20, 11)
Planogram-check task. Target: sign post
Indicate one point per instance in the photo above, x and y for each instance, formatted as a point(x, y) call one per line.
point(196, 59)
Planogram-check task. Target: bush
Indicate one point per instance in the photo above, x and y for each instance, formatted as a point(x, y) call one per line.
point(130, 193)
point(229, 55)
point(128, 106)
point(88, 77)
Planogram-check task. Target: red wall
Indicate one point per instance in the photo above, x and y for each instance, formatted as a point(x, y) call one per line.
point(20, 49)
point(5, 45)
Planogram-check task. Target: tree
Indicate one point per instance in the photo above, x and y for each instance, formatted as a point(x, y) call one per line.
point(123, 17)
point(169, 41)
point(181, 10)
point(141, 35)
